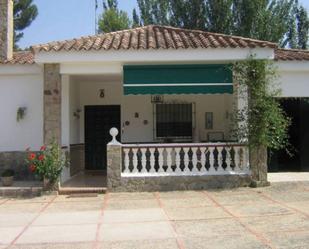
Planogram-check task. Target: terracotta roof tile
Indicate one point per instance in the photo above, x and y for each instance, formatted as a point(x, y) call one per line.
point(291, 55)
point(23, 57)
point(156, 37)
point(153, 37)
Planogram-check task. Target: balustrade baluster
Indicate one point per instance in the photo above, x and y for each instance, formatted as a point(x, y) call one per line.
point(203, 159)
point(161, 160)
point(152, 160)
point(220, 160)
point(144, 160)
point(228, 159)
point(126, 160)
point(194, 160)
point(211, 160)
point(186, 159)
point(236, 159)
point(177, 160)
point(135, 160)
point(169, 160)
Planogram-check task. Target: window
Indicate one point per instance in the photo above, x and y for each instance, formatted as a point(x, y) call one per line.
point(173, 120)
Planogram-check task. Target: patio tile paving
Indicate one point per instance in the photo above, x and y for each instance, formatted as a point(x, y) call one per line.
point(58, 234)
point(132, 196)
point(186, 202)
point(73, 218)
point(140, 244)
point(76, 206)
point(292, 197)
point(257, 209)
point(242, 199)
point(225, 242)
point(241, 218)
point(196, 213)
point(208, 228)
point(134, 215)
point(303, 206)
point(15, 219)
point(7, 208)
point(290, 240)
point(136, 231)
point(278, 223)
point(41, 199)
point(66, 198)
point(76, 245)
point(182, 194)
point(132, 204)
point(8, 234)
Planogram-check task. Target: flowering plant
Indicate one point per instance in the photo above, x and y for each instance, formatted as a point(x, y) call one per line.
point(48, 163)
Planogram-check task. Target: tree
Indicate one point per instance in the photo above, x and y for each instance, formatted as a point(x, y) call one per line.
point(24, 14)
point(153, 12)
point(112, 18)
point(190, 14)
point(262, 122)
point(280, 21)
point(136, 21)
point(302, 28)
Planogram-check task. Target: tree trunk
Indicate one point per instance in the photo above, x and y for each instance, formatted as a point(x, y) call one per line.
point(258, 164)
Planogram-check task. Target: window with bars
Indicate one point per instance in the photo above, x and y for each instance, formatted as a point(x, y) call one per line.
point(173, 120)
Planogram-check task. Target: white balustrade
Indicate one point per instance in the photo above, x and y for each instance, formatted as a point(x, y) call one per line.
point(184, 159)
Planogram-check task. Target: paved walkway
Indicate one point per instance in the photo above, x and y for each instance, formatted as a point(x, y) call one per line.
point(273, 217)
point(288, 177)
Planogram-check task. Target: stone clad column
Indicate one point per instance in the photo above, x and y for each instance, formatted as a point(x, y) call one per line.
point(6, 29)
point(52, 103)
point(114, 162)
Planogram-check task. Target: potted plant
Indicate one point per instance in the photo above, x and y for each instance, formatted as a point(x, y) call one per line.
point(7, 177)
point(47, 164)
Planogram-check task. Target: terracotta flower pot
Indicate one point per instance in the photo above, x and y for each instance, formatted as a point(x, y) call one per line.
point(7, 180)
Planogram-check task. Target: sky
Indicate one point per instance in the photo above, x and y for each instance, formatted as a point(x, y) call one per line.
point(67, 19)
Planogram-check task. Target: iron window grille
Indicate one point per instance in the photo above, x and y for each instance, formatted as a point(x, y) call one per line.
point(174, 121)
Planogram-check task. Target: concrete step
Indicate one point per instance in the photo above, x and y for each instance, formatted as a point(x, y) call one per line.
point(81, 190)
point(22, 189)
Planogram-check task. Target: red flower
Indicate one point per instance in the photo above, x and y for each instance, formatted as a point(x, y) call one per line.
point(43, 148)
point(41, 157)
point(31, 156)
point(32, 168)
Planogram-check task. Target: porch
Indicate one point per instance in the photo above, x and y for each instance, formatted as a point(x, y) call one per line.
point(181, 130)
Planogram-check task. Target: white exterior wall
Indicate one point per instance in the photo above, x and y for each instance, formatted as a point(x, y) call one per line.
point(293, 78)
point(137, 131)
point(294, 84)
point(22, 89)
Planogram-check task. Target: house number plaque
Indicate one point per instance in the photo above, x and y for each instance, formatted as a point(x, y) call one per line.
point(102, 93)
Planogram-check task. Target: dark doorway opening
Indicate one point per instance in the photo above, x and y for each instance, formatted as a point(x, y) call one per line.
point(280, 161)
point(98, 121)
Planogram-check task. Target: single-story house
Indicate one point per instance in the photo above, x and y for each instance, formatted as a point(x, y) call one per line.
point(169, 92)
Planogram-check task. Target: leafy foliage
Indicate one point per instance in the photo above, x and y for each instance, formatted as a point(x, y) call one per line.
point(113, 19)
point(24, 14)
point(8, 173)
point(280, 21)
point(262, 121)
point(48, 162)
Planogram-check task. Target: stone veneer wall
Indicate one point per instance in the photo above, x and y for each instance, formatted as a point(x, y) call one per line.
point(6, 29)
point(16, 160)
point(52, 103)
point(77, 158)
point(117, 183)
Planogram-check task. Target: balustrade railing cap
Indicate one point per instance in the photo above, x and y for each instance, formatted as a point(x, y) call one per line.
point(114, 132)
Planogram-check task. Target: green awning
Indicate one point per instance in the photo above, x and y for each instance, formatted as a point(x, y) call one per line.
point(178, 79)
